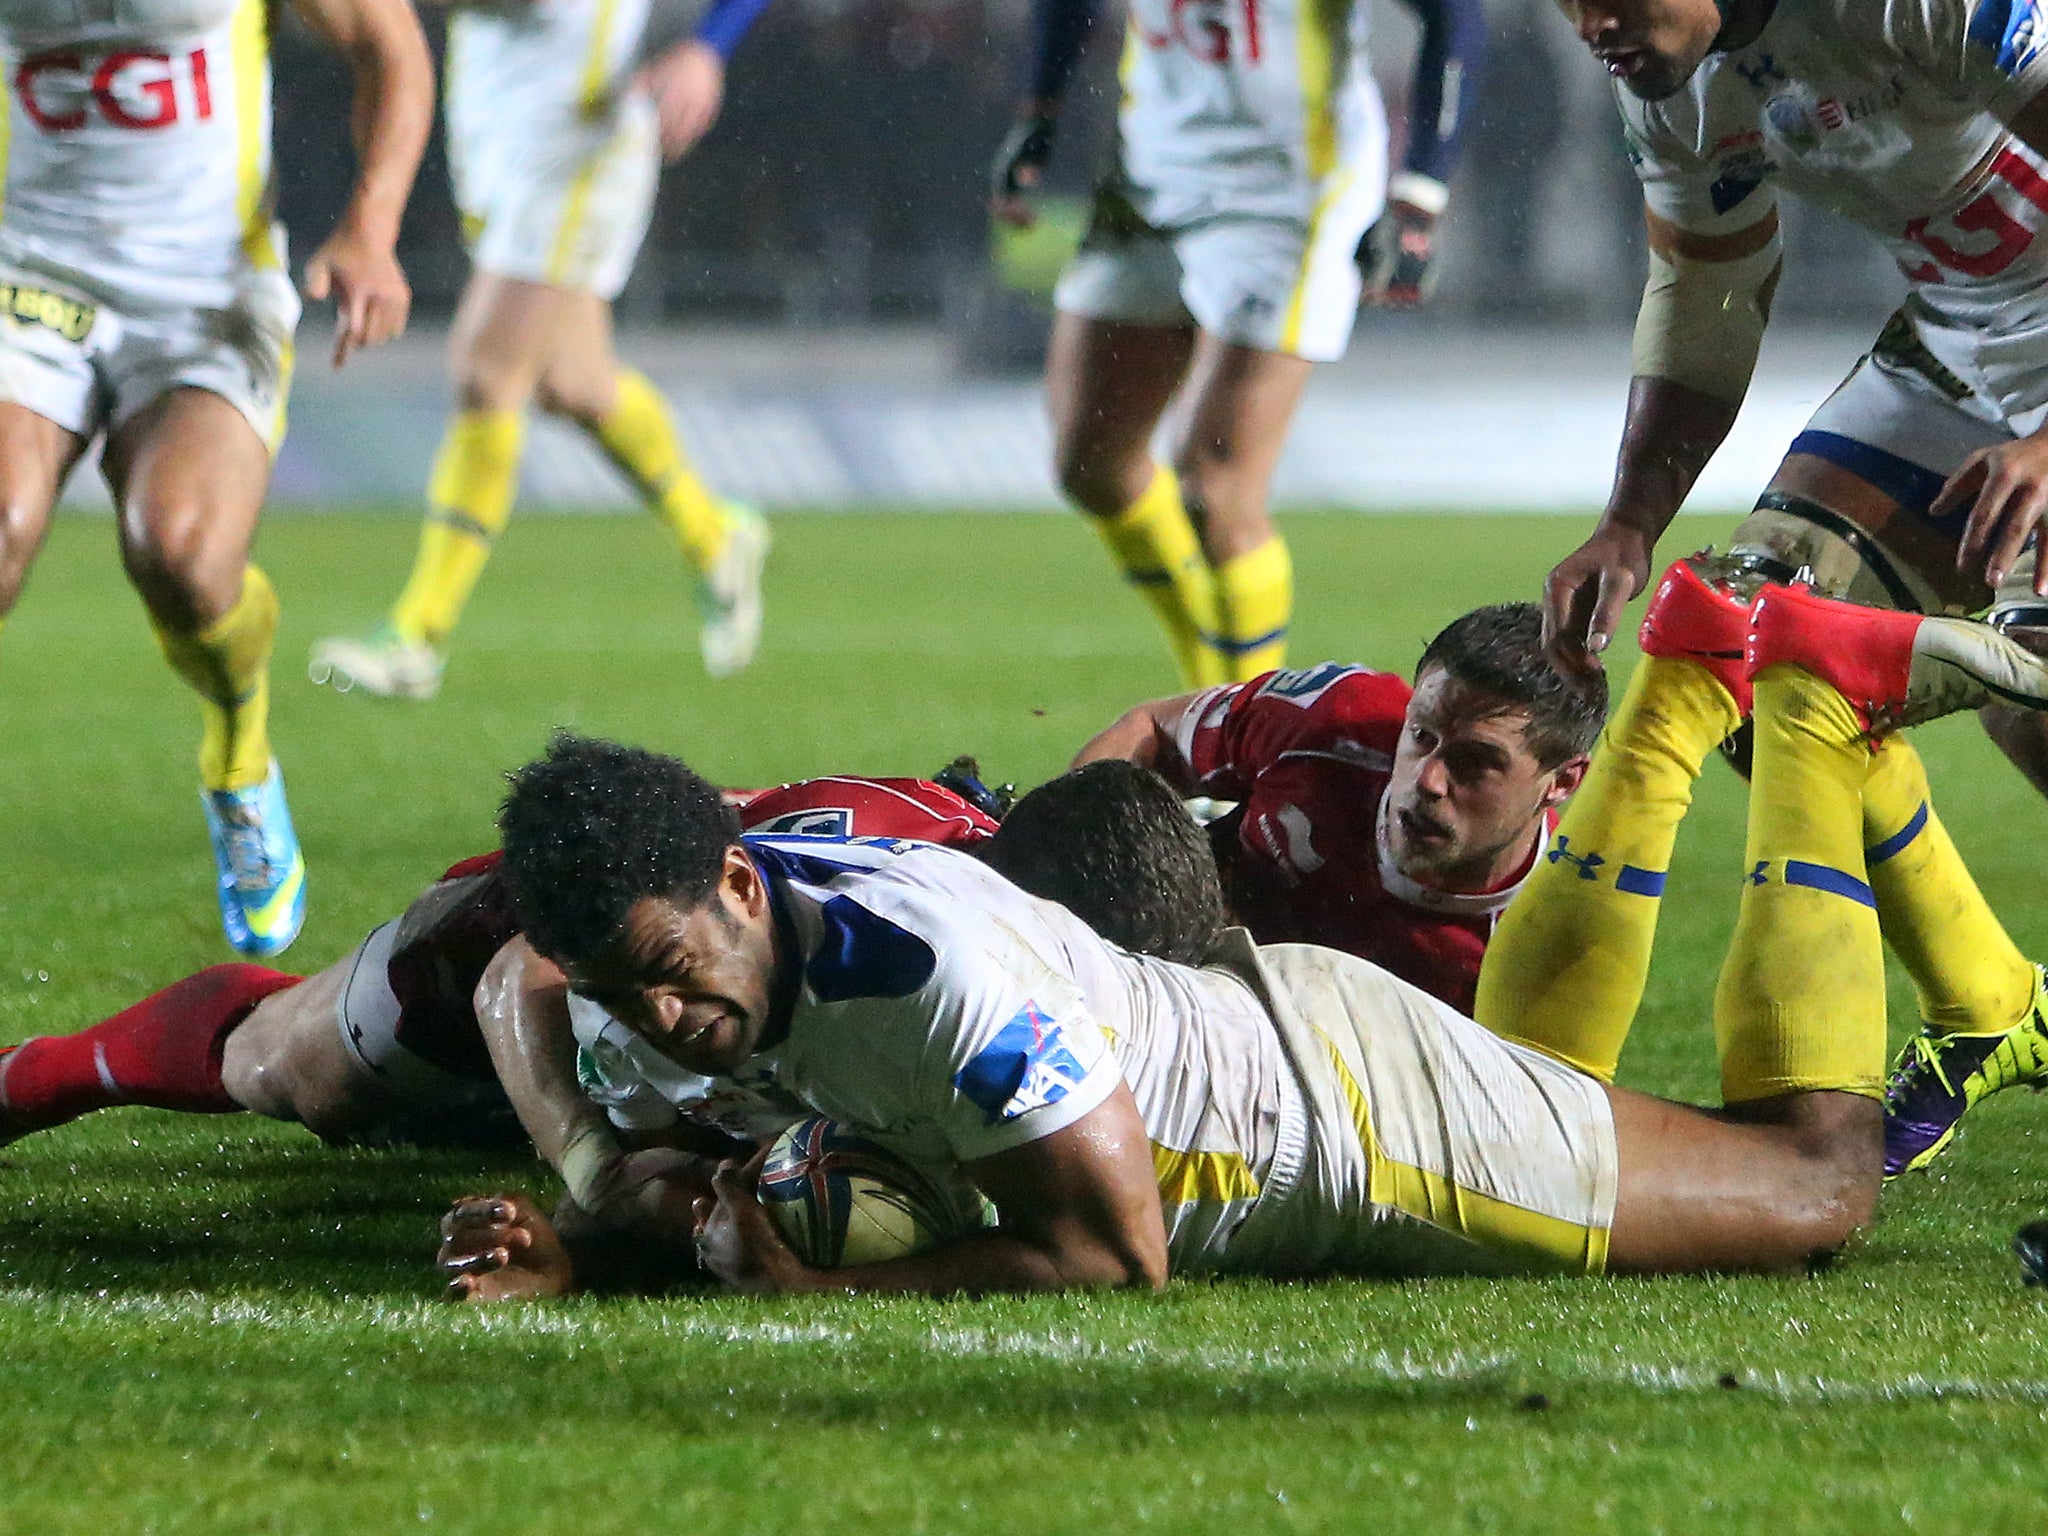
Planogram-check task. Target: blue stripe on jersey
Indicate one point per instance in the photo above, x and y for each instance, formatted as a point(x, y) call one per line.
point(1027, 1066)
point(858, 953)
point(1877, 853)
point(1913, 486)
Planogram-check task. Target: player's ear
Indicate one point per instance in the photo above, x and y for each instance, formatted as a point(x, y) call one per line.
point(1566, 778)
point(740, 883)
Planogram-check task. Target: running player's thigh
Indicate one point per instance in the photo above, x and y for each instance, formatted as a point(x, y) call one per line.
point(1239, 403)
point(189, 474)
point(1700, 1191)
point(35, 457)
point(1107, 383)
point(503, 331)
point(581, 376)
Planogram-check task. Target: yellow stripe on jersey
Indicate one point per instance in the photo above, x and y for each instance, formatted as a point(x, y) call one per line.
point(250, 46)
point(1185, 1177)
point(1315, 55)
point(597, 63)
point(6, 137)
point(1126, 62)
point(575, 208)
point(1540, 1241)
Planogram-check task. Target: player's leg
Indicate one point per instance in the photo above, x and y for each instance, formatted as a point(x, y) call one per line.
point(1791, 1167)
point(1240, 400)
point(623, 413)
point(497, 347)
point(189, 472)
point(1108, 382)
point(36, 454)
point(1121, 342)
point(167, 1051)
point(1565, 968)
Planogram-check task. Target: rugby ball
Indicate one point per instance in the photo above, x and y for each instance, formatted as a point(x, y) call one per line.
point(839, 1199)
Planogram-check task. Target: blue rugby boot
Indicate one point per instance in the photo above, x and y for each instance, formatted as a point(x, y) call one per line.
point(1940, 1077)
point(262, 872)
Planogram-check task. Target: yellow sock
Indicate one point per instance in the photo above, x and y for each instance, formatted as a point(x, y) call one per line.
point(1254, 601)
point(1564, 970)
point(640, 437)
point(469, 500)
point(1970, 975)
point(1155, 547)
point(1800, 1005)
point(228, 665)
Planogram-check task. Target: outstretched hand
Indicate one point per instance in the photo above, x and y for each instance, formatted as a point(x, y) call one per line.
point(2006, 490)
point(371, 296)
point(1586, 592)
point(501, 1248)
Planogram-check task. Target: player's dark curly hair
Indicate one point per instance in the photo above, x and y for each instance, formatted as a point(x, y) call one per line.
point(1112, 843)
point(1500, 651)
point(592, 827)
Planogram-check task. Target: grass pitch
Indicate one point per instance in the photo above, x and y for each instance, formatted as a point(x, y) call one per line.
point(218, 1325)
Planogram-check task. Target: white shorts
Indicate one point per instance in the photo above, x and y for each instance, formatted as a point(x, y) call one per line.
point(89, 365)
point(1436, 1146)
point(1904, 420)
point(569, 209)
point(369, 1016)
point(1275, 284)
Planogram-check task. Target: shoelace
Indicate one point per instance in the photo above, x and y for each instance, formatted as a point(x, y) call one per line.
point(1926, 1053)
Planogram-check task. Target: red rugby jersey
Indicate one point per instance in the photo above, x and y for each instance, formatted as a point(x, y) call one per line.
point(1308, 755)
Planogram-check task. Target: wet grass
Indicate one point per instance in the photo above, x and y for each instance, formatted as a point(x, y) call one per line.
point(219, 1325)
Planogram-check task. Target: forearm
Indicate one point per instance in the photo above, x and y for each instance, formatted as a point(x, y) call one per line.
point(522, 1009)
point(989, 1264)
point(1143, 736)
point(1672, 431)
point(1446, 70)
point(1059, 35)
point(391, 116)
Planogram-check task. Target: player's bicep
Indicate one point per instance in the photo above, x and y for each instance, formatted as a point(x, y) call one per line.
point(1713, 272)
point(1084, 1196)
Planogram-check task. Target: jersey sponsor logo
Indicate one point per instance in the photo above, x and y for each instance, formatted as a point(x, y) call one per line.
point(1211, 31)
point(1302, 688)
point(64, 92)
point(1027, 1066)
point(2010, 31)
point(52, 311)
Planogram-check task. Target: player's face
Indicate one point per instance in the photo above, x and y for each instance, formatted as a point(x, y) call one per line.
point(696, 982)
point(1651, 46)
point(1467, 795)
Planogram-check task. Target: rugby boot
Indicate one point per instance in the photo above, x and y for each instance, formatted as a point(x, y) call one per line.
point(383, 662)
point(13, 1124)
point(1939, 1077)
point(729, 595)
point(262, 872)
point(1895, 669)
point(1700, 620)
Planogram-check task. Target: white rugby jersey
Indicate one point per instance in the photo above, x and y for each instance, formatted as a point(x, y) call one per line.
point(1882, 113)
point(530, 71)
point(1242, 106)
point(138, 147)
point(950, 1016)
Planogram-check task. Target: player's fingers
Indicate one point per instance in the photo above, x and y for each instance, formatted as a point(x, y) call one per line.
point(2022, 517)
point(1612, 596)
point(461, 1288)
point(1959, 487)
point(1987, 497)
point(471, 1209)
point(318, 278)
point(482, 1262)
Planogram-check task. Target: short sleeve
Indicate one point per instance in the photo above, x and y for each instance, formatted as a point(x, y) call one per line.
point(1723, 195)
point(1243, 731)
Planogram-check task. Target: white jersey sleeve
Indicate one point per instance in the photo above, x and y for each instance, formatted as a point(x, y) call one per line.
point(938, 1009)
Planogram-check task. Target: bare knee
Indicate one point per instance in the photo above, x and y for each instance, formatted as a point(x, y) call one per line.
point(1100, 478)
point(186, 572)
point(23, 521)
point(1830, 1171)
point(578, 401)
